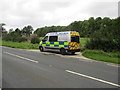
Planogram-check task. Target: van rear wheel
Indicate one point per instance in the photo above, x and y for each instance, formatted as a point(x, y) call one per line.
point(63, 51)
point(41, 49)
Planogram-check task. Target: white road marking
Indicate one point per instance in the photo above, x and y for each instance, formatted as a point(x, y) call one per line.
point(93, 78)
point(21, 57)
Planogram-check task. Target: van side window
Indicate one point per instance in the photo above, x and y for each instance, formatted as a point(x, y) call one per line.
point(53, 38)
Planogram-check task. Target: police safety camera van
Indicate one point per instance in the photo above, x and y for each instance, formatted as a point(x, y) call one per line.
point(65, 42)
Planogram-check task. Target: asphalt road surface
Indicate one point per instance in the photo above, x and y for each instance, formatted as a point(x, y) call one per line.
point(25, 69)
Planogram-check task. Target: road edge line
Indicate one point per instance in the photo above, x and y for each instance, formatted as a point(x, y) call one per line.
point(21, 57)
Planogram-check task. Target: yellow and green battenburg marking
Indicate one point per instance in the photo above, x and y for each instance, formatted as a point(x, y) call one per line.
point(70, 45)
point(54, 44)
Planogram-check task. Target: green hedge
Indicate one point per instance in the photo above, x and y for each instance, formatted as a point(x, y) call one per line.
point(35, 40)
point(102, 44)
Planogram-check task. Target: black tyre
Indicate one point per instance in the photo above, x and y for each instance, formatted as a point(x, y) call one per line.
point(72, 53)
point(63, 51)
point(41, 49)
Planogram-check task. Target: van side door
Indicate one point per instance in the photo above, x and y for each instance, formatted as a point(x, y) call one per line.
point(52, 40)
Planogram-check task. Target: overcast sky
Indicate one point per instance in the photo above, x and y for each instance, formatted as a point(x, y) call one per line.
point(40, 13)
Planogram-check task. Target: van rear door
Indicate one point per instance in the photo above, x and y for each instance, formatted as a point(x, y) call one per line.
point(75, 39)
point(75, 43)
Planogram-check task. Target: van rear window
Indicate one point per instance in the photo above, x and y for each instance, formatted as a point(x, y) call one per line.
point(75, 39)
point(53, 38)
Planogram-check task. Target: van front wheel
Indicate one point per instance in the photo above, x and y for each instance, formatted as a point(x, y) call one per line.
point(63, 51)
point(41, 49)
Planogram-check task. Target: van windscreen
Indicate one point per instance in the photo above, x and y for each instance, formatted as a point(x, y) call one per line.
point(75, 39)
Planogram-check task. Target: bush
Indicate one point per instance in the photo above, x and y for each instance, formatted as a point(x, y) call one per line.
point(35, 40)
point(102, 44)
point(6, 38)
point(22, 39)
point(14, 38)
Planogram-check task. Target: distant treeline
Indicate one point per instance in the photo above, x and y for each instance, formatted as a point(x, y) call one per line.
point(86, 28)
point(104, 32)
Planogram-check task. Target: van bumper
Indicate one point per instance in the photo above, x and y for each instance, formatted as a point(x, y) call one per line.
point(76, 50)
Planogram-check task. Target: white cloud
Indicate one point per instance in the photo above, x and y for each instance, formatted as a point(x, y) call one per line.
point(39, 13)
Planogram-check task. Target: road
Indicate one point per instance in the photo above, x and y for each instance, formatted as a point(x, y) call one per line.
point(27, 69)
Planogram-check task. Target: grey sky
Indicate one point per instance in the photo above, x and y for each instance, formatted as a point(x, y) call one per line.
point(40, 13)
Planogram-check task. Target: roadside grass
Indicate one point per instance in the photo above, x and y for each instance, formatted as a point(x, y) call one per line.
point(23, 45)
point(99, 55)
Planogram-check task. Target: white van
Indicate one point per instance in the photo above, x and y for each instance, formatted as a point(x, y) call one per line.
point(65, 42)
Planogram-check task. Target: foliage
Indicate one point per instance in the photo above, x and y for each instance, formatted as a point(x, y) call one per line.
point(105, 45)
point(42, 31)
point(86, 28)
point(107, 39)
point(35, 40)
point(112, 57)
point(2, 30)
point(27, 30)
point(18, 35)
point(14, 36)
point(83, 42)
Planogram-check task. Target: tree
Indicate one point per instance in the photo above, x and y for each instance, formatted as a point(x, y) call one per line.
point(84, 29)
point(2, 29)
point(75, 26)
point(98, 23)
point(18, 32)
point(91, 26)
point(11, 30)
point(27, 30)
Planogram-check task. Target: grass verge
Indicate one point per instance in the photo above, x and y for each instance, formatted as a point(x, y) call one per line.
point(22, 45)
point(99, 55)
